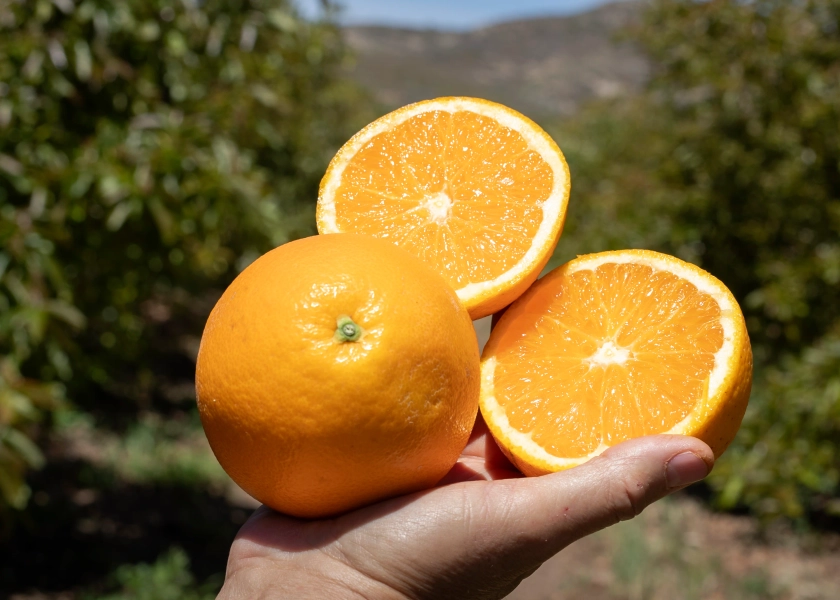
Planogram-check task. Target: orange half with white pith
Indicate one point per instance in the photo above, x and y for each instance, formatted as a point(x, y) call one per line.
point(613, 346)
point(475, 189)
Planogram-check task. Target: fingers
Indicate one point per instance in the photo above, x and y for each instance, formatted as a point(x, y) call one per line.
point(476, 445)
point(537, 517)
point(480, 460)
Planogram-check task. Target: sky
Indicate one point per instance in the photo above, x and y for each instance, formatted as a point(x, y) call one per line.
point(447, 14)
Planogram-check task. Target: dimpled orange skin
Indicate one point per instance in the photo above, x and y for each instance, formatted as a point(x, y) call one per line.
point(312, 426)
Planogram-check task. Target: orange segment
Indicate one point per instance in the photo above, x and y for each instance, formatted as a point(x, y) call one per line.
point(614, 346)
point(473, 188)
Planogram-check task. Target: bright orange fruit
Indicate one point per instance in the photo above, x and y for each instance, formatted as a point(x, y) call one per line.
point(475, 189)
point(613, 346)
point(336, 371)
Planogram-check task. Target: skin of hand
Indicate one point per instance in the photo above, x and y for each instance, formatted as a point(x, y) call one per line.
point(476, 535)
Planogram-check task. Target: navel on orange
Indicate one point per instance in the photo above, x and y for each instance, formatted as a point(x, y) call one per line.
point(475, 189)
point(613, 346)
point(336, 371)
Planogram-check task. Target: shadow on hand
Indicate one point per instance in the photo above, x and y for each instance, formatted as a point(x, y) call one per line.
point(481, 463)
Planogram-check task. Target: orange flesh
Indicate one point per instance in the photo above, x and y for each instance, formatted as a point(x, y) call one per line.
point(607, 355)
point(457, 189)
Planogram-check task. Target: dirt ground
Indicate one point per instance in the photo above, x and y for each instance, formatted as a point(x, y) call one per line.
point(679, 550)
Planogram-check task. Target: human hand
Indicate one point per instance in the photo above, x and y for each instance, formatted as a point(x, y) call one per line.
point(477, 534)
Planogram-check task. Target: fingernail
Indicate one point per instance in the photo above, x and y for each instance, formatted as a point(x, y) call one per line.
point(685, 468)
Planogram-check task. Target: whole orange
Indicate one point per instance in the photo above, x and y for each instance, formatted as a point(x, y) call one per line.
point(335, 371)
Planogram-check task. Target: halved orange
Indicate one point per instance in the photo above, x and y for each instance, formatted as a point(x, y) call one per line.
point(474, 188)
point(612, 346)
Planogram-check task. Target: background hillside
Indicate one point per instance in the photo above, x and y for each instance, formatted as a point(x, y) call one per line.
point(542, 66)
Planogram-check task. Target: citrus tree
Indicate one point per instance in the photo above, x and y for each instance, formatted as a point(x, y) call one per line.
point(731, 159)
point(149, 149)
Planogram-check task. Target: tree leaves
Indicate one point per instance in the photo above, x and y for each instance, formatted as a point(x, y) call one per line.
point(148, 149)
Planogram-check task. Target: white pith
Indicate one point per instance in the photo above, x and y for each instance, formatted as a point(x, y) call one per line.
point(553, 207)
point(439, 206)
point(700, 280)
point(495, 413)
point(609, 354)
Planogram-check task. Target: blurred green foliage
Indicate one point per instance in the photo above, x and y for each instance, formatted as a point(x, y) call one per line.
point(168, 578)
point(658, 555)
point(149, 150)
point(731, 159)
point(150, 451)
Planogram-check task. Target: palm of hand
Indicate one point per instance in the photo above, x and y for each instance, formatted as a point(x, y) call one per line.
point(476, 535)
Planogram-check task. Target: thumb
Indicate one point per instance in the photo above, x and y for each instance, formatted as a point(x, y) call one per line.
point(542, 515)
